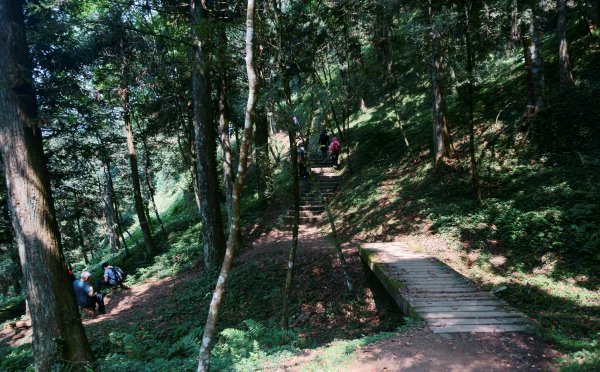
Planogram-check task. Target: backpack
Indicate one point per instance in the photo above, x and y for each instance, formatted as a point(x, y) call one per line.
point(119, 274)
point(335, 147)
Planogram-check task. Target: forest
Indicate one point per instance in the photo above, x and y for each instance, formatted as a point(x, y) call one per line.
point(178, 141)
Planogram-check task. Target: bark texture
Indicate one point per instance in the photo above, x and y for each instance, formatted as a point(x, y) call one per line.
point(205, 145)
point(109, 212)
point(213, 312)
point(441, 133)
point(564, 64)
point(57, 331)
point(149, 244)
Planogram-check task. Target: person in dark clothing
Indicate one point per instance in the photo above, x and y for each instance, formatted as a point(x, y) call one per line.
point(85, 295)
point(334, 149)
point(323, 143)
point(302, 162)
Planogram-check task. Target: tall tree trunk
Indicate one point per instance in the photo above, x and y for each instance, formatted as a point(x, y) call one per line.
point(150, 185)
point(441, 133)
point(109, 211)
point(471, 93)
point(150, 246)
point(564, 65)
point(261, 146)
point(225, 140)
point(57, 330)
point(118, 218)
point(211, 320)
point(530, 105)
point(537, 73)
point(293, 164)
point(205, 145)
point(515, 34)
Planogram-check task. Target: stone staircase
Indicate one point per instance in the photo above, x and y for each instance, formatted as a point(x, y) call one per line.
point(323, 181)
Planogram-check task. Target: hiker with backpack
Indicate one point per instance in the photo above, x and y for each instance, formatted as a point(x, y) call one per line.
point(323, 143)
point(334, 150)
point(113, 276)
point(302, 162)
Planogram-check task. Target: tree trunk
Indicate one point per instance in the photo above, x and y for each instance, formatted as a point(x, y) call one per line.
point(296, 200)
point(515, 34)
point(57, 331)
point(118, 219)
point(150, 246)
point(82, 242)
point(150, 186)
point(109, 212)
point(211, 320)
point(537, 74)
point(441, 134)
point(225, 140)
point(205, 145)
point(564, 65)
point(530, 105)
point(261, 146)
point(471, 93)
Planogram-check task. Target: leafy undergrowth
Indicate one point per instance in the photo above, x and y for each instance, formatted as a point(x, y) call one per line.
point(537, 230)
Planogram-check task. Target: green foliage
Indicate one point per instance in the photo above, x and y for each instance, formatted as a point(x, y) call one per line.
point(19, 358)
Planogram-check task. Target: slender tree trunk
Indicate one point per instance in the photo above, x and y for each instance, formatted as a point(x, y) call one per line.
point(211, 320)
point(57, 330)
point(515, 34)
point(293, 164)
point(530, 105)
point(109, 212)
point(564, 65)
point(261, 145)
point(205, 144)
point(225, 140)
point(441, 133)
point(150, 246)
point(537, 73)
point(150, 185)
point(471, 93)
point(82, 241)
point(118, 218)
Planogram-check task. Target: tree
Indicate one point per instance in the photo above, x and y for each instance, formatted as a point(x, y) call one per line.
point(58, 333)
point(533, 58)
point(211, 320)
point(564, 65)
point(441, 134)
point(205, 144)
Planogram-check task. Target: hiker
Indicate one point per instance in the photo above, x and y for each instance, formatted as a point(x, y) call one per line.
point(85, 295)
point(113, 276)
point(323, 143)
point(334, 150)
point(302, 162)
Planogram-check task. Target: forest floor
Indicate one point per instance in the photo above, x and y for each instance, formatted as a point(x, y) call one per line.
point(415, 349)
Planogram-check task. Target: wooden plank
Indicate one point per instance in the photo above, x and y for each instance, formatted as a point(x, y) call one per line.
point(458, 308)
point(438, 290)
point(473, 321)
point(458, 303)
point(479, 328)
point(435, 282)
point(469, 314)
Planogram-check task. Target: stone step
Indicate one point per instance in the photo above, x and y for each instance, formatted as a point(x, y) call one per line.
point(303, 220)
point(480, 328)
point(304, 213)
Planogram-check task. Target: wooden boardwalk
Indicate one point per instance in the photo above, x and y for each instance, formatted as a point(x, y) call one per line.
point(421, 285)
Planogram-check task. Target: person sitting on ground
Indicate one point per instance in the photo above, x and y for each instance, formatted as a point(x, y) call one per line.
point(85, 295)
point(323, 143)
point(113, 276)
point(334, 150)
point(302, 161)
